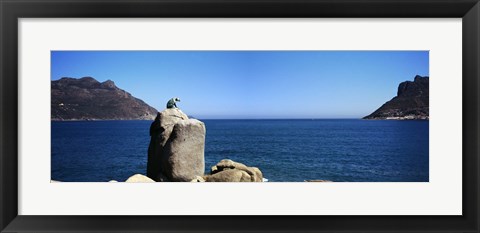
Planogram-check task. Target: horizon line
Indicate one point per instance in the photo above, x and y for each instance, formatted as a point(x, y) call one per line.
point(58, 120)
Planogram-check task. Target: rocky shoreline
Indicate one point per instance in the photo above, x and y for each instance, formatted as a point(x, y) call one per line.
point(402, 118)
point(176, 153)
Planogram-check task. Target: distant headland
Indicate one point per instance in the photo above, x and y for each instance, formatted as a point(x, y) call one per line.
point(411, 102)
point(88, 99)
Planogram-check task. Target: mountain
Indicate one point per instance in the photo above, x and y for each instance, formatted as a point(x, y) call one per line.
point(88, 99)
point(411, 102)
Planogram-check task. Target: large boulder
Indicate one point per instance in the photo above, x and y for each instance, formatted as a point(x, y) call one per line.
point(230, 171)
point(176, 150)
point(183, 159)
point(160, 131)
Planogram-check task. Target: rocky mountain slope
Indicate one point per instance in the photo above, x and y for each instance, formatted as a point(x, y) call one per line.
point(411, 102)
point(88, 99)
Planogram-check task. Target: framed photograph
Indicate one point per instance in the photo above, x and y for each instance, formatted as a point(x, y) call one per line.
point(252, 116)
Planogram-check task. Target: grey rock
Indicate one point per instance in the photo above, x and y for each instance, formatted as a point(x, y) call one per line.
point(160, 131)
point(227, 165)
point(230, 175)
point(177, 145)
point(183, 159)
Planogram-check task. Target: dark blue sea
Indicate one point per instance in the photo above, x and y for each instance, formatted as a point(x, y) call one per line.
point(285, 150)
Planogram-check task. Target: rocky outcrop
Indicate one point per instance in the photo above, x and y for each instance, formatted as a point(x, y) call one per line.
point(177, 145)
point(176, 153)
point(138, 178)
point(411, 102)
point(160, 131)
point(88, 99)
point(230, 171)
point(184, 151)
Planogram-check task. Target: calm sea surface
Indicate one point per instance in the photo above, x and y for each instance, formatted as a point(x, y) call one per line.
point(284, 150)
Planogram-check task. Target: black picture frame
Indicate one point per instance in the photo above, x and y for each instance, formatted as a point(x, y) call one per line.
point(11, 11)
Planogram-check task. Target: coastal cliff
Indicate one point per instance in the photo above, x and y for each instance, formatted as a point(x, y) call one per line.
point(89, 99)
point(411, 102)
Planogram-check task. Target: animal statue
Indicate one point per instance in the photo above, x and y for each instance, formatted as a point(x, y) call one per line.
point(172, 103)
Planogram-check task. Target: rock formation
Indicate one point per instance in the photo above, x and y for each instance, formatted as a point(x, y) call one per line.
point(177, 145)
point(184, 151)
point(411, 102)
point(176, 153)
point(88, 99)
point(230, 171)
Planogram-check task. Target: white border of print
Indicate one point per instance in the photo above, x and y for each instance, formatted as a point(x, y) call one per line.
point(441, 196)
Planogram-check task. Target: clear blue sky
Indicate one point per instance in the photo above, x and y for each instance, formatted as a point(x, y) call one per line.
point(252, 84)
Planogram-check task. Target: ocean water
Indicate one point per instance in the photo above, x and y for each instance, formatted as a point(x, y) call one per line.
point(339, 150)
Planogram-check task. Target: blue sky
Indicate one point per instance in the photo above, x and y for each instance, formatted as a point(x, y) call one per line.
point(252, 84)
